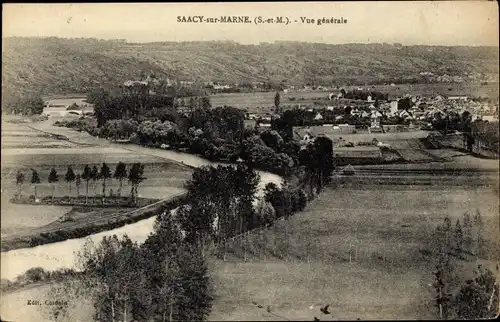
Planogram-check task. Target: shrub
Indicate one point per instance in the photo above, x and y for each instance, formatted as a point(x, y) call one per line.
point(36, 274)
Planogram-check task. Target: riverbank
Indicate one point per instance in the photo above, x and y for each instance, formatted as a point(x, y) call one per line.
point(83, 201)
point(70, 230)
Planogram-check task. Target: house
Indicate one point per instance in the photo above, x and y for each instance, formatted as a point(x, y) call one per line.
point(369, 98)
point(490, 118)
point(250, 124)
point(365, 114)
point(404, 114)
point(393, 108)
point(263, 125)
point(375, 119)
point(458, 97)
point(221, 86)
point(329, 108)
point(318, 117)
point(308, 137)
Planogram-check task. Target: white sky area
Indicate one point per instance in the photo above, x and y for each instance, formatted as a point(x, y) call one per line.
point(409, 23)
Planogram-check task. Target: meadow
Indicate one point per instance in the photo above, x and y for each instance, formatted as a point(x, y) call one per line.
point(69, 100)
point(363, 250)
point(263, 102)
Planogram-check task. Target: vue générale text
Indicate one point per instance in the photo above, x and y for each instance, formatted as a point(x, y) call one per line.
point(262, 20)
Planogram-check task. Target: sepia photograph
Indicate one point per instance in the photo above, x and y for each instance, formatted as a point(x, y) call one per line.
point(250, 161)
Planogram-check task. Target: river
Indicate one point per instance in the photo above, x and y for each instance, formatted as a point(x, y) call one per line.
point(63, 254)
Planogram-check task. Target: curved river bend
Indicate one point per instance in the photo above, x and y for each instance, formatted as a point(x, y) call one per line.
point(63, 254)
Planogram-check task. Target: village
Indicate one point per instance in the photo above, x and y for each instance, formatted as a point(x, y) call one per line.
point(401, 114)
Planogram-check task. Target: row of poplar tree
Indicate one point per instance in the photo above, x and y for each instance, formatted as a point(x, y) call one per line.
point(92, 175)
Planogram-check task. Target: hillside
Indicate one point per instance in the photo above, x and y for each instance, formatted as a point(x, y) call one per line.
point(58, 66)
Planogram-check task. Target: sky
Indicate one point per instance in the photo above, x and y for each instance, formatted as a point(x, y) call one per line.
point(409, 23)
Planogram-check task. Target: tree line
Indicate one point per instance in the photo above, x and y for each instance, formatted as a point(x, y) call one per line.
point(221, 201)
point(164, 279)
point(90, 175)
point(473, 131)
point(26, 104)
point(476, 298)
point(217, 134)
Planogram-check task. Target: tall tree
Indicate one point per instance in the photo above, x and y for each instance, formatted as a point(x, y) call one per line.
point(136, 176)
point(205, 103)
point(70, 177)
point(478, 222)
point(160, 264)
point(323, 152)
point(19, 182)
point(196, 295)
point(467, 232)
point(120, 174)
point(94, 174)
point(35, 179)
point(478, 298)
point(53, 178)
point(114, 267)
point(445, 268)
point(442, 295)
point(78, 183)
point(447, 230)
point(459, 236)
point(277, 102)
point(87, 176)
point(104, 175)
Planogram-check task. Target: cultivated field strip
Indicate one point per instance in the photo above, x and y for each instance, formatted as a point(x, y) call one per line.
point(109, 218)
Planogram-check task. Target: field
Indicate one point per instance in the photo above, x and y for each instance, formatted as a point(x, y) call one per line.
point(67, 100)
point(263, 102)
point(367, 255)
point(30, 148)
point(16, 218)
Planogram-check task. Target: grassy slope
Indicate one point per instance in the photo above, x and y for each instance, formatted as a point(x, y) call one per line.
point(388, 232)
point(57, 66)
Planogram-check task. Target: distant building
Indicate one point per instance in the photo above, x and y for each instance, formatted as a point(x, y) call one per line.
point(458, 97)
point(318, 117)
point(393, 107)
point(375, 119)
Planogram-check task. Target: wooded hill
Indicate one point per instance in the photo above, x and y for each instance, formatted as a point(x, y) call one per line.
point(59, 66)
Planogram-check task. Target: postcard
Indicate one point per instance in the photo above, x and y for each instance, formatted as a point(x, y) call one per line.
point(309, 161)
